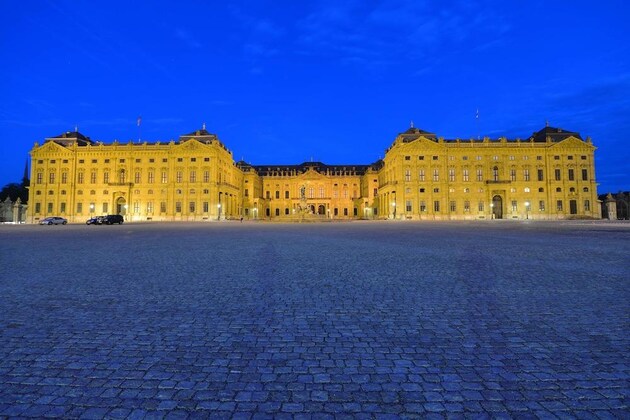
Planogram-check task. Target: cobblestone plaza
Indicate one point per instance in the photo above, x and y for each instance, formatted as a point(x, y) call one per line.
point(365, 319)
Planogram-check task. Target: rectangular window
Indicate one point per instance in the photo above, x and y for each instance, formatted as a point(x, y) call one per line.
point(164, 177)
point(193, 176)
point(206, 176)
point(436, 174)
point(541, 205)
point(136, 177)
point(268, 195)
point(514, 206)
point(541, 176)
point(136, 207)
point(79, 208)
point(407, 174)
point(178, 176)
point(408, 206)
point(423, 206)
point(451, 175)
point(178, 207)
point(64, 177)
point(62, 207)
point(420, 157)
point(525, 174)
point(105, 177)
point(466, 206)
point(584, 174)
point(421, 175)
point(571, 175)
point(150, 207)
point(465, 175)
point(205, 207)
point(39, 177)
point(191, 207)
point(51, 178)
point(246, 192)
point(559, 205)
point(512, 174)
point(50, 208)
point(80, 178)
point(345, 211)
point(322, 193)
point(163, 207)
point(93, 177)
point(435, 158)
point(375, 192)
point(453, 206)
point(557, 174)
point(480, 206)
point(278, 195)
point(436, 206)
point(105, 207)
point(479, 174)
point(587, 205)
point(407, 157)
point(151, 178)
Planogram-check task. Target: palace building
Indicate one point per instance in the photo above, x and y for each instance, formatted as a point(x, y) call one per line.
point(548, 175)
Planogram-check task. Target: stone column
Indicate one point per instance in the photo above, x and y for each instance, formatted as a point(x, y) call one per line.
point(611, 207)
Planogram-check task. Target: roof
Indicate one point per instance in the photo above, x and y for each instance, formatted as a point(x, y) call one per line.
point(322, 168)
point(71, 137)
point(555, 134)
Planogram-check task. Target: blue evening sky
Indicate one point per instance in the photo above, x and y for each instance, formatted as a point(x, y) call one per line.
point(283, 82)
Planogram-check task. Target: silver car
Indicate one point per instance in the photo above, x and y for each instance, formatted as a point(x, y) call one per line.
point(53, 221)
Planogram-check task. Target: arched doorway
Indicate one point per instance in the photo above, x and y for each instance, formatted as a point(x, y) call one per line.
point(311, 208)
point(321, 209)
point(121, 206)
point(497, 207)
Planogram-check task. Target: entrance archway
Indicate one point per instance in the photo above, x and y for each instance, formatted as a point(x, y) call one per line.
point(497, 207)
point(121, 206)
point(321, 209)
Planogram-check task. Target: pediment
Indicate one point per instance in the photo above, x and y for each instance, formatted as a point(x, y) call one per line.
point(421, 143)
point(572, 143)
point(311, 174)
point(52, 147)
point(191, 145)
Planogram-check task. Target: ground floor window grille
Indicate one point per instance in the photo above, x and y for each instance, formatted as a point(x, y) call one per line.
point(587, 205)
point(541, 205)
point(178, 207)
point(436, 206)
point(408, 206)
point(453, 206)
point(466, 206)
point(559, 205)
point(481, 206)
point(514, 206)
point(423, 207)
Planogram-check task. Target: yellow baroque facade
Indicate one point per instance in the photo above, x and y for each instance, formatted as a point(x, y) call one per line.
point(550, 175)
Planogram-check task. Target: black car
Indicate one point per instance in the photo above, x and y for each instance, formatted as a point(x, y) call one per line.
point(111, 219)
point(96, 220)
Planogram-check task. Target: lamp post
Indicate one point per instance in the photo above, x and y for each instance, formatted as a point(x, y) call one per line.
point(91, 210)
point(491, 211)
point(526, 210)
point(219, 207)
point(394, 203)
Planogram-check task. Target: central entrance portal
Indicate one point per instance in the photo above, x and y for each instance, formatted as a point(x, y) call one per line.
point(497, 207)
point(121, 206)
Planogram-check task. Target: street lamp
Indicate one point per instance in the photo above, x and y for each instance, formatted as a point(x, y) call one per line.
point(219, 207)
point(527, 210)
point(91, 209)
point(491, 211)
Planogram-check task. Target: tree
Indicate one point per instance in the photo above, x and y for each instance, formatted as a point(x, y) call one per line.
point(14, 190)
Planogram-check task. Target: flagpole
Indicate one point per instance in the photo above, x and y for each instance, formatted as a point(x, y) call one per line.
point(139, 122)
point(477, 124)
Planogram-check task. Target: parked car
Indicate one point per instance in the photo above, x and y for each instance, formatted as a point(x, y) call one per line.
point(110, 219)
point(53, 221)
point(96, 220)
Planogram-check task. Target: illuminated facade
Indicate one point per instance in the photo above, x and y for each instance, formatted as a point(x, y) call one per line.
point(550, 175)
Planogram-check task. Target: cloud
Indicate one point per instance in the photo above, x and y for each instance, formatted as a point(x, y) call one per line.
point(188, 39)
point(397, 31)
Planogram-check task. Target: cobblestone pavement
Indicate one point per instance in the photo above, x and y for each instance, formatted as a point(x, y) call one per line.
point(362, 319)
